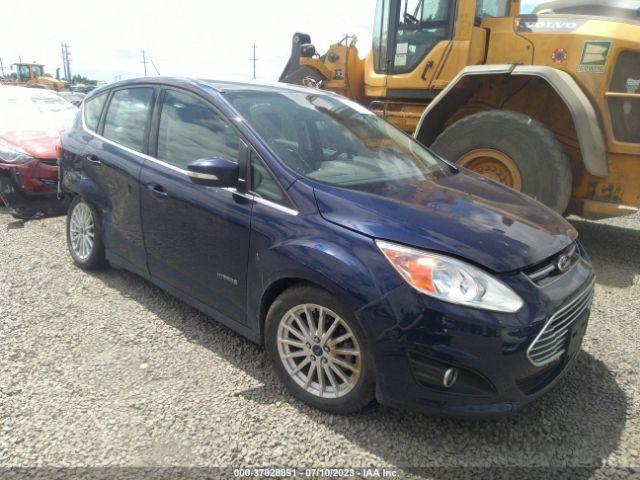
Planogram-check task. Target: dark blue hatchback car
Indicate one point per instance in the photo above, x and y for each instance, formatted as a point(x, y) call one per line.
point(368, 267)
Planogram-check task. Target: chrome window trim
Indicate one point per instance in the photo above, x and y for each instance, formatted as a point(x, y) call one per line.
point(203, 176)
point(268, 203)
point(275, 205)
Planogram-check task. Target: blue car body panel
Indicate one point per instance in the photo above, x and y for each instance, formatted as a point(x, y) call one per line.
point(464, 215)
point(227, 253)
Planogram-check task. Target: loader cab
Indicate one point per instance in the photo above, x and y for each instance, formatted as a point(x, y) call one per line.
point(28, 71)
point(406, 32)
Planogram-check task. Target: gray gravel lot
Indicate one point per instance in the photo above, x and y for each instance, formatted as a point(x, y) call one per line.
point(105, 369)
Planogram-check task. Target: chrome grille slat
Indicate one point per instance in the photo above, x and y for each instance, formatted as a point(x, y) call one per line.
point(551, 347)
point(566, 323)
point(551, 358)
point(553, 341)
point(569, 314)
point(547, 340)
point(543, 272)
point(550, 343)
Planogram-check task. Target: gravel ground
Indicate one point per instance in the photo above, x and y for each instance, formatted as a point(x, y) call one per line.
point(104, 369)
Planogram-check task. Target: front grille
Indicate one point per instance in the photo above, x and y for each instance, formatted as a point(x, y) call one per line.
point(544, 273)
point(552, 340)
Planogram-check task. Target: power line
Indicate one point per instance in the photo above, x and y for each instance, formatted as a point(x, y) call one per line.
point(254, 60)
point(154, 67)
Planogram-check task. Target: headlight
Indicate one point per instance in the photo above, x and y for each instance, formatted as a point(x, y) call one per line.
point(449, 279)
point(9, 155)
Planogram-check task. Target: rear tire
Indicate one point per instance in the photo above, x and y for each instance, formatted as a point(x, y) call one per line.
point(84, 235)
point(536, 163)
point(346, 366)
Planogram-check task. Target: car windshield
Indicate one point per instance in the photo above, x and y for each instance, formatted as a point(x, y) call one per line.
point(333, 140)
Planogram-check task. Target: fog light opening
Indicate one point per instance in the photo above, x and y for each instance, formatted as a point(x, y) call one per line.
point(449, 378)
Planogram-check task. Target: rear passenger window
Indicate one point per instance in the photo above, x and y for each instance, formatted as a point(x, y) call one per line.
point(93, 109)
point(127, 117)
point(191, 129)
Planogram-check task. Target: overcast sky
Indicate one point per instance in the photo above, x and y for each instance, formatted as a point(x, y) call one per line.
point(199, 38)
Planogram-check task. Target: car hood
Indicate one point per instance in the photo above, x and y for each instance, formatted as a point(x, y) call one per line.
point(38, 144)
point(463, 214)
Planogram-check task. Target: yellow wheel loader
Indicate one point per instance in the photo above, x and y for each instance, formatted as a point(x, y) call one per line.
point(33, 75)
point(547, 103)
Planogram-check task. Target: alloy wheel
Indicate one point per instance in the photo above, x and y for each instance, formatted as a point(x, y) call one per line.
point(319, 351)
point(82, 231)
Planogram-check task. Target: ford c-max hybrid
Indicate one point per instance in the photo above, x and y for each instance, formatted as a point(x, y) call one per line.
point(367, 266)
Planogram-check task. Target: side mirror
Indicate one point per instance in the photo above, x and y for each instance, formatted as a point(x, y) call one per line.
point(214, 172)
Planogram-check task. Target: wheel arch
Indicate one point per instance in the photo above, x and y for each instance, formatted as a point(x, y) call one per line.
point(309, 262)
point(474, 83)
point(273, 291)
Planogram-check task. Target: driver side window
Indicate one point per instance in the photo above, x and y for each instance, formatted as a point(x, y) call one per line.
point(191, 129)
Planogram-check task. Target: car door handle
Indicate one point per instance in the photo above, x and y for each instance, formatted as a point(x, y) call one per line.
point(157, 191)
point(93, 160)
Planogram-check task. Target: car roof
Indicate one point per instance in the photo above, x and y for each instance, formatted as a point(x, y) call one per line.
point(19, 93)
point(221, 86)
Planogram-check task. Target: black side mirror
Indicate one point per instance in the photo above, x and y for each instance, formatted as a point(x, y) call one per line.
point(214, 172)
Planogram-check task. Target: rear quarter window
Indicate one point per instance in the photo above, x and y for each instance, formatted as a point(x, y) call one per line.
point(93, 109)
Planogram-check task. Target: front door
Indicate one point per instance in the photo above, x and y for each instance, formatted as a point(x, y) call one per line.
point(196, 237)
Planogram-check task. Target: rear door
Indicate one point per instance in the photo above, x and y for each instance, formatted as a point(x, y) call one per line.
point(196, 237)
point(113, 160)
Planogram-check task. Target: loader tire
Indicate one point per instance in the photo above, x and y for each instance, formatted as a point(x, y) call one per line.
point(513, 149)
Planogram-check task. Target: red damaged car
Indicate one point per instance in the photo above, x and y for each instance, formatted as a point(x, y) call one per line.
point(31, 121)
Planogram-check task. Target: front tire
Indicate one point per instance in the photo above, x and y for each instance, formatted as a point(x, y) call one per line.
point(513, 149)
point(319, 351)
point(84, 236)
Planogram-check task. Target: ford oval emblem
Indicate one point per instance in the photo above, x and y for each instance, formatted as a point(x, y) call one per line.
point(563, 263)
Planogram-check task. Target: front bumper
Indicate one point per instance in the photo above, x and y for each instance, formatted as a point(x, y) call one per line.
point(31, 186)
point(412, 335)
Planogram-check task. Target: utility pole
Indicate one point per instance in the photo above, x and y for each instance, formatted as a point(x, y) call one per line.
point(1, 67)
point(144, 62)
point(68, 57)
point(66, 61)
point(253, 59)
